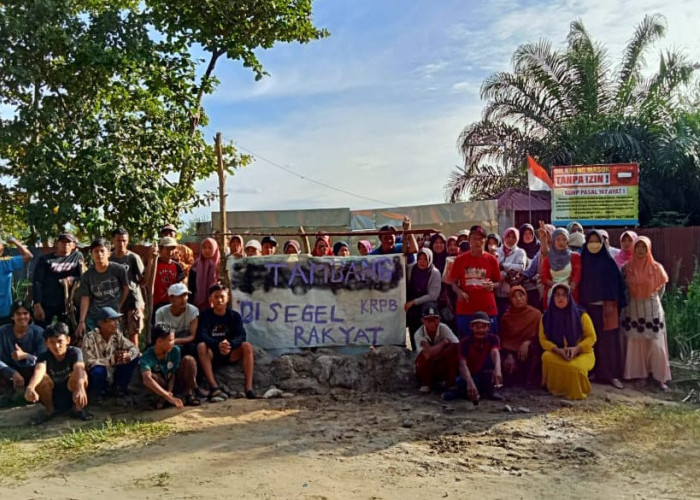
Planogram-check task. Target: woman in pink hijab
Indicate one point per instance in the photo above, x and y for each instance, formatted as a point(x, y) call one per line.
point(643, 320)
point(627, 240)
point(204, 273)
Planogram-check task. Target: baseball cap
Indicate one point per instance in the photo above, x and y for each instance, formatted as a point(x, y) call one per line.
point(168, 227)
point(269, 239)
point(481, 317)
point(387, 227)
point(168, 241)
point(108, 313)
point(67, 236)
point(429, 309)
point(478, 230)
point(177, 289)
point(463, 232)
point(254, 244)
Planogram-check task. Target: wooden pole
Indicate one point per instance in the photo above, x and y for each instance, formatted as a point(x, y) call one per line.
point(222, 206)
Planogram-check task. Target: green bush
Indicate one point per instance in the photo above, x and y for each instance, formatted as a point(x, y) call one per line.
point(682, 308)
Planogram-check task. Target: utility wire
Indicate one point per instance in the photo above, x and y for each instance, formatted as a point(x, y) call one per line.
point(306, 178)
point(310, 179)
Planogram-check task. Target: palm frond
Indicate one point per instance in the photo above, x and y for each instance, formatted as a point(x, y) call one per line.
point(651, 29)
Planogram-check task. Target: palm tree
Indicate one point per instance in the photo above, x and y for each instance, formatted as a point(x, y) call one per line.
point(571, 107)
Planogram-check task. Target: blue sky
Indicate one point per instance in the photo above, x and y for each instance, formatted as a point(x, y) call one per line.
point(376, 108)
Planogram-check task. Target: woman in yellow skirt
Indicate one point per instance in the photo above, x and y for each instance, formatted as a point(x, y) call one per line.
point(567, 337)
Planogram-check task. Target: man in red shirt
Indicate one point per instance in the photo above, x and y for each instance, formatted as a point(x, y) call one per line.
point(168, 272)
point(480, 373)
point(474, 275)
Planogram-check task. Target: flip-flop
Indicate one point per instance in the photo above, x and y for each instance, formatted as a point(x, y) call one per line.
point(40, 418)
point(216, 395)
point(83, 415)
point(192, 400)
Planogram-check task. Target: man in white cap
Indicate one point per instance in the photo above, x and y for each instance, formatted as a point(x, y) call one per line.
point(253, 248)
point(182, 317)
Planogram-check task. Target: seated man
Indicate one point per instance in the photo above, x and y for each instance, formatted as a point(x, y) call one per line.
point(479, 363)
point(20, 345)
point(110, 358)
point(437, 349)
point(182, 317)
point(222, 341)
point(59, 381)
point(165, 373)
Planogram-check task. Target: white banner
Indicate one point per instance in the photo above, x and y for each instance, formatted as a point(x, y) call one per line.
point(289, 301)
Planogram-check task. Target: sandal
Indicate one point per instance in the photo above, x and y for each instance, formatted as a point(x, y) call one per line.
point(216, 395)
point(192, 400)
point(201, 393)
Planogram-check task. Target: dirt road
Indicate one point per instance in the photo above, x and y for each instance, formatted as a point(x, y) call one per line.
point(617, 444)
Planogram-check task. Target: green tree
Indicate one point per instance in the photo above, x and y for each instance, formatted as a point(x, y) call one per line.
point(572, 107)
point(107, 104)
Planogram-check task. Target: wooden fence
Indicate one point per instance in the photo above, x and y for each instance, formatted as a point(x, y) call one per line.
point(677, 248)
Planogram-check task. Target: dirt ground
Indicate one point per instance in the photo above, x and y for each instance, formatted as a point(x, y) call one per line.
point(616, 444)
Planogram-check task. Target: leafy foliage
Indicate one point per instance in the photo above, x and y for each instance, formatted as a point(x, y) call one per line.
point(571, 107)
point(682, 308)
point(107, 105)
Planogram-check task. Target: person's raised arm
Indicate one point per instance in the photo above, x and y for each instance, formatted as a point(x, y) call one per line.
point(542, 234)
point(409, 239)
point(24, 251)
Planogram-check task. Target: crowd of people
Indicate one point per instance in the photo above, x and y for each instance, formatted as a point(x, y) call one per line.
point(551, 307)
point(81, 338)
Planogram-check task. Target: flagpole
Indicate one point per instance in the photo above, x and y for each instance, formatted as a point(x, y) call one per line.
point(529, 204)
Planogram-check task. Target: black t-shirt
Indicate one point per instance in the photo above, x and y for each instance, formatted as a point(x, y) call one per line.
point(59, 371)
point(49, 269)
point(213, 328)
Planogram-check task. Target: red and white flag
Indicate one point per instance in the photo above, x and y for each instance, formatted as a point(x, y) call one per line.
point(537, 177)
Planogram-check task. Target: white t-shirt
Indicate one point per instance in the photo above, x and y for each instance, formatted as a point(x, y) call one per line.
point(180, 323)
point(443, 332)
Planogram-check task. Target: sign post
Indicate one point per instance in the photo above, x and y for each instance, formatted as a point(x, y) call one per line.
point(596, 195)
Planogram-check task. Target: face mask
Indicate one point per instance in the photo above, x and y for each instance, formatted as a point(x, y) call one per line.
point(594, 247)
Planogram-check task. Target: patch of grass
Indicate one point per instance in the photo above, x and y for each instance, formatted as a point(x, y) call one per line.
point(648, 426)
point(24, 449)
